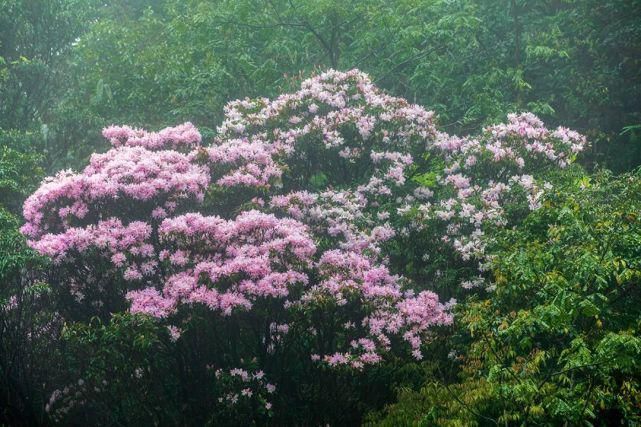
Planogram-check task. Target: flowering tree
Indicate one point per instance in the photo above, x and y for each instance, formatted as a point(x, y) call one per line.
point(274, 235)
point(384, 170)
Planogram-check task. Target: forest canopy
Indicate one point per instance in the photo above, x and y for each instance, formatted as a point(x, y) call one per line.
point(266, 212)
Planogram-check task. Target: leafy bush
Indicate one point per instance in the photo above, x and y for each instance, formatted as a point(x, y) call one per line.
point(117, 372)
point(557, 340)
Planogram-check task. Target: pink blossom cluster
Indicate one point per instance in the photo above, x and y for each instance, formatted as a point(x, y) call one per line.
point(531, 136)
point(344, 114)
point(269, 254)
point(256, 255)
point(182, 136)
point(259, 256)
point(341, 215)
point(413, 317)
point(388, 310)
point(240, 162)
point(111, 237)
point(483, 175)
point(126, 173)
point(323, 105)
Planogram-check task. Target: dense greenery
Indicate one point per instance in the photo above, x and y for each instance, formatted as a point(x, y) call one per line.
point(552, 335)
point(24, 332)
point(570, 62)
point(558, 340)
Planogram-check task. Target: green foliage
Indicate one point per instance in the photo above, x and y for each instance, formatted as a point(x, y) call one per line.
point(19, 172)
point(123, 371)
point(558, 340)
point(27, 324)
point(32, 36)
point(27, 327)
point(35, 36)
point(15, 254)
point(156, 63)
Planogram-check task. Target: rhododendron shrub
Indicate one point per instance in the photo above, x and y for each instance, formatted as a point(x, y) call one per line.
point(281, 237)
point(364, 167)
point(486, 183)
point(338, 125)
point(347, 152)
point(99, 225)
